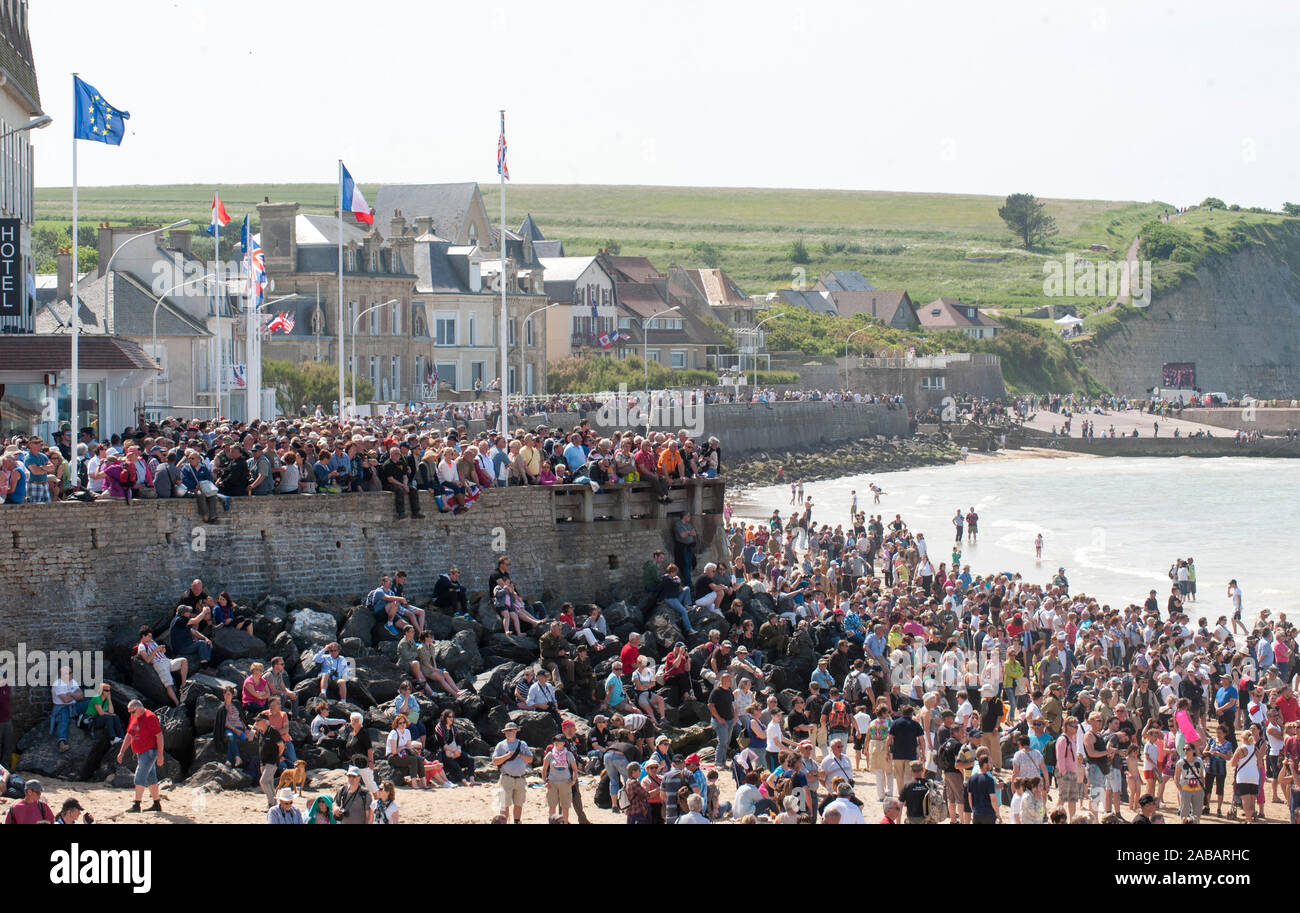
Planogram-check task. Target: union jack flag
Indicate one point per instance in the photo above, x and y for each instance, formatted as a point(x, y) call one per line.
point(254, 264)
point(502, 168)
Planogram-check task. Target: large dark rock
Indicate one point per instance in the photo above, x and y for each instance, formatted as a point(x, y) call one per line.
point(236, 670)
point(198, 685)
point(514, 647)
point(360, 624)
point(205, 712)
point(620, 612)
point(284, 647)
point(146, 682)
point(489, 684)
point(39, 752)
point(316, 757)
point(470, 706)
point(124, 695)
point(311, 629)
point(536, 727)
point(339, 608)
point(439, 624)
point(486, 615)
point(761, 606)
point(119, 649)
point(231, 643)
point(664, 624)
point(178, 732)
point(459, 656)
point(462, 623)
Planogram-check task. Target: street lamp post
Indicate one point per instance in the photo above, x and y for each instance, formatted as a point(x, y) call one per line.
point(846, 355)
point(355, 321)
point(108, 267)
point(254, 382)
point(523, 339)
point(34, 124)
point(754, 331)
point(156, 305)
point(645, 358)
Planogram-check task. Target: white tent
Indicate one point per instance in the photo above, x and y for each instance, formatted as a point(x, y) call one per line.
point(1069, 320)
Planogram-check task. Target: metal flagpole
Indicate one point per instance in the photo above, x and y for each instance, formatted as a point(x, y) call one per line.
point(340, 349)
point(223, 406)
point(74, 399)
point(501, 168)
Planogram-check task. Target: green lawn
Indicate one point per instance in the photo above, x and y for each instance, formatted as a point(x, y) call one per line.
point(915, 241)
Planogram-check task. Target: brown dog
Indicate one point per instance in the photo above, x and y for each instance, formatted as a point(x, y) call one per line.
point(295, 777)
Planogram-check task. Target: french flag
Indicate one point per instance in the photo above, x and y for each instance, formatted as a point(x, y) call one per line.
point(352, 200)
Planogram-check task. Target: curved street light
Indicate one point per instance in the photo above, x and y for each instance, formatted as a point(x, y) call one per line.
point(523, 339)
point(156, 304)
point(645, 358)
point(754, 332)
point(846, 354)
point(355, 321)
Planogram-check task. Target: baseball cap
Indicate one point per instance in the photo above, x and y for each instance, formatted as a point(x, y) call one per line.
point(692, 758)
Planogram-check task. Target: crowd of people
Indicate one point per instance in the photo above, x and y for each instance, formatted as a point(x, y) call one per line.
point(405, 454)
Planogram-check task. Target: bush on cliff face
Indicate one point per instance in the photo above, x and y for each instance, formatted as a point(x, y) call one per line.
point(596, 374)
point(1034, 359)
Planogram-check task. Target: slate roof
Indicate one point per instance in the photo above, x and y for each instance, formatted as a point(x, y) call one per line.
point(950, 313)
point(840, 280)
point(809, 300)
point(447, 204)
point(883, 304)
point(127, 312)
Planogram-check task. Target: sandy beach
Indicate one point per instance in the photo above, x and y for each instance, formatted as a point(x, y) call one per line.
point(459, 805)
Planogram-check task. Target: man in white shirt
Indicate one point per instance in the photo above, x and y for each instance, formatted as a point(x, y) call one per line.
point(849, 812)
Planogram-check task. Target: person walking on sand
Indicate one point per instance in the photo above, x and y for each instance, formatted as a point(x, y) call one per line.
point(959, 521)
point(1038, 547)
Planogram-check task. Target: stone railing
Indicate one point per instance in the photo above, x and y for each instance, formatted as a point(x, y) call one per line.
point(628, 501)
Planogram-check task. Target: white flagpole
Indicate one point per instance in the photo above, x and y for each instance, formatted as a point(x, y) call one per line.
point(505, 324)
point(223, 407)
point(340, 350)
point(74, 399)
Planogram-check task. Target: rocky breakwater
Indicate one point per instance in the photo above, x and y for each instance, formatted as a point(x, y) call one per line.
point(876, 455)
point(483, 660)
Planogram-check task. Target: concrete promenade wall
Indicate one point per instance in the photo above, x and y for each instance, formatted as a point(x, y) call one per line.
point(751, 427)
point(1268, 421)
point(71, 572)
point(1170, 447)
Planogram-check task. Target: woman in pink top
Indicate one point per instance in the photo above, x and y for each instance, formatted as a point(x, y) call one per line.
point(1070, 776)
point(112, 477)
point(257, 690)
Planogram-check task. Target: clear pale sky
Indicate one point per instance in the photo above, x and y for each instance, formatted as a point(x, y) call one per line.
point(1135, 100)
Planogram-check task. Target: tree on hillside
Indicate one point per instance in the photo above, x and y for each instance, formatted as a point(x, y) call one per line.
point(1291, 209)
point(1027, 218)
point(1213, 203)
point(309, 383)
point(799, 252)
point(707, 254)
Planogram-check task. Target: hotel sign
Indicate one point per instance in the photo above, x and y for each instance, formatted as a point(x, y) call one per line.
point(11, 269)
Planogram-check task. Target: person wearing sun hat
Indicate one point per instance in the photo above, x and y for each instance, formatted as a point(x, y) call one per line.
point(512, 757)
point(284, 811)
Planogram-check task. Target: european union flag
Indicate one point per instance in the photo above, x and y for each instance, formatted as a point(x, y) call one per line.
point(96, 119)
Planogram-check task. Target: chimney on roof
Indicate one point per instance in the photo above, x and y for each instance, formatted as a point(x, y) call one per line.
point(64, 287)
point(424, 225)
point(179, 239)
point(397, 225)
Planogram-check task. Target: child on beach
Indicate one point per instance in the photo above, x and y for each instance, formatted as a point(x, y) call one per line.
point(1038, 546)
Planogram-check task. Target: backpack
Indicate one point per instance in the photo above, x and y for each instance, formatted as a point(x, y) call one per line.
point(837, 718)
point(936, 811)
point(602, 798)
point(1049, 753)
point(624, 801)
point(852, 688)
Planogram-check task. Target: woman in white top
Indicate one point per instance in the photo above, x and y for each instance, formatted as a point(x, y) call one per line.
point(384, 805)
point(1244, 767)
point(643, 681)
point(404, 752)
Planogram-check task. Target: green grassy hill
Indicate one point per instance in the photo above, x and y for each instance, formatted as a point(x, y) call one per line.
point(921, 242)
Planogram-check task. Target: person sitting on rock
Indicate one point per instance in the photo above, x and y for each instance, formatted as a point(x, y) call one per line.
point(555, 653)
point(333, 668)
point(424, 669)
point(449, 593)
point(187, 641)
point(522, 688)
point(393, 609)
point(541, 696)
point(279, 683)
point(155, 655)
point(321, 724)
point(595, 631)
